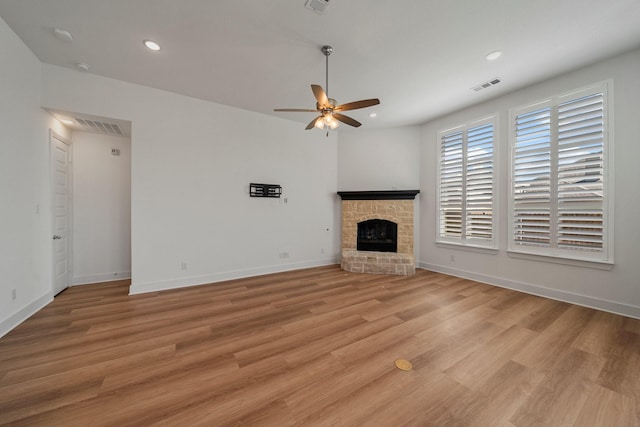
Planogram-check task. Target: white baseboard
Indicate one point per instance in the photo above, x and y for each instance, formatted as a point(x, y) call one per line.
point(570, 297)
point(24, 313)
point(163, 285)
point(99, 278)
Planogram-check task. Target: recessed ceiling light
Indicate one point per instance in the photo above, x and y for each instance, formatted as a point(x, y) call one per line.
point(66, 121)
point(150, 44)
point(62, 34)
point(82, 66)
point(492, 56)
point(373, 115)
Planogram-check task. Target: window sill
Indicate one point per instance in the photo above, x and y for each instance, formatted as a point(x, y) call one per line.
point(598, 265)
point(467, 247)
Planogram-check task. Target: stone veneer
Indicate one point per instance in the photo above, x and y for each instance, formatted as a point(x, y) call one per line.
point(391, 206)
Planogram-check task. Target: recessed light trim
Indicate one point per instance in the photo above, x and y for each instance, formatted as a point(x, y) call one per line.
point(492, 56)
point(66, 121)
point(373, 115)
point(82, 66)
point(151, 45)
point(63, 35)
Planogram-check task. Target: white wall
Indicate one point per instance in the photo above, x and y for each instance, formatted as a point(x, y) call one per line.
point(615, 290)
point(101, 208)
point(25, 210)
point(192, 162)
point(382, 159)
point(379, 159)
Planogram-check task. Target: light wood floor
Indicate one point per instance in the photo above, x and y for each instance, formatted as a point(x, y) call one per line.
point(317, 347)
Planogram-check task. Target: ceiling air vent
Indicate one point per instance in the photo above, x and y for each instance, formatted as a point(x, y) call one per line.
point(318, 6)
point(99, 127)
point(486, 85)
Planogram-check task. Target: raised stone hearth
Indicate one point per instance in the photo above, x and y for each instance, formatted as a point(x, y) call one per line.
point(394, 206)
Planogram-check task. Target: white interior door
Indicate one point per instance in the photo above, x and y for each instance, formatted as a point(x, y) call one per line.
point(61, 177)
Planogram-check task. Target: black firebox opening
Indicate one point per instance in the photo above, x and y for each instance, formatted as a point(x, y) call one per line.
point(378, 235)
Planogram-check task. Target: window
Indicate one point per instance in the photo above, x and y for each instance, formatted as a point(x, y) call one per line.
point(559, 177)
point(466, 185)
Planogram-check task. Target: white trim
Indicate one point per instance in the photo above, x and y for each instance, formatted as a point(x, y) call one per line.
point(468, 247)
point(24, 313)
point(569, 256)
point(599, 265)
point(100, 278)
point(163, 285)
point(570, 297)
point(52, 184)
point(474, 243)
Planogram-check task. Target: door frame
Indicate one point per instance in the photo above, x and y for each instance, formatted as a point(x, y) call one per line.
point(54, 135)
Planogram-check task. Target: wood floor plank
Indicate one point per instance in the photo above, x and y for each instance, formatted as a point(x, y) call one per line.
point(355, 408)
point(620, 371)
point(475, 369)
point(606, 407)
point(317, 347)
point(502, 395)
point(560, 397)
point(429, 404)
point(544, 351)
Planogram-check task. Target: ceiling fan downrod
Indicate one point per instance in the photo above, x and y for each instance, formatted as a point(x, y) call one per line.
point(327, 50)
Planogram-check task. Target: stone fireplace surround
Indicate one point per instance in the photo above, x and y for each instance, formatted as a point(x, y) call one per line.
point(395, 206)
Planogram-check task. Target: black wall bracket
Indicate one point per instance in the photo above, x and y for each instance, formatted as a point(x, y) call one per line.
point(264, 190)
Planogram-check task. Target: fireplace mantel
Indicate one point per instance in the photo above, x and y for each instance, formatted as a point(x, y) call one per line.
point(379, 195)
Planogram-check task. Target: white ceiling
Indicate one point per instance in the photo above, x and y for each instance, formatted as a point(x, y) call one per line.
point(420, 57)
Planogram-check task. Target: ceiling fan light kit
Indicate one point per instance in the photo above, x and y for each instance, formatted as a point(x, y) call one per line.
point(330, 113)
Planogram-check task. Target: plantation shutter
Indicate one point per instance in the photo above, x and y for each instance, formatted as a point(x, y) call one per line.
point(580, 173)
point(532, 178)
point(560, 177)
point(466, 184)
point(451, 184)
point(479, 183)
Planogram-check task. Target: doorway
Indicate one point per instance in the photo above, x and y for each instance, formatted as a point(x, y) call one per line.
point(60, 156)
point(92, 242)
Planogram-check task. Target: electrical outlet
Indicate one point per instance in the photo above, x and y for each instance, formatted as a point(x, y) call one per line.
point(183, 265)
point(13, 294)
point(284, 254)
point(321, 250)
point(452, 258)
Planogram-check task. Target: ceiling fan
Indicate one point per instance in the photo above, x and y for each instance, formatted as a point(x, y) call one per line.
point(330, 113)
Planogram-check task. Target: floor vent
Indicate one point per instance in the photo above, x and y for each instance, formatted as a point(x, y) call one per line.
point(486, 85)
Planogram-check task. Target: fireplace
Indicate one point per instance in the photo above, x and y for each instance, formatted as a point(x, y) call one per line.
point(377, 231)
point(377, 235)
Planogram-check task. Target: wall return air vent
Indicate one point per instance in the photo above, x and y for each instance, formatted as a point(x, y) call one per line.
point(486, 85)
point(99, 127)
point(318, 6)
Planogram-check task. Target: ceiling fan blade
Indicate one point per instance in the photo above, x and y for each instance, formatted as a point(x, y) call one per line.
point(357, 104)
point(321, 96)
point(347, 120)
point(313, 123)
point(295, 110)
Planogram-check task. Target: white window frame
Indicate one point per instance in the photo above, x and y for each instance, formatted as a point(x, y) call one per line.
point(463, 240)
point(555, 253)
